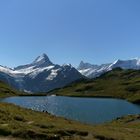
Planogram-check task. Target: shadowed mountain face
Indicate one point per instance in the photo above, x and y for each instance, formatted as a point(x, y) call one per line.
point(92, 71)
point(42, 75)
point(39, 76)
point(117, 83)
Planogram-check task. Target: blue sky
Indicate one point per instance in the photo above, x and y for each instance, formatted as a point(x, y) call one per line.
point(68, 31)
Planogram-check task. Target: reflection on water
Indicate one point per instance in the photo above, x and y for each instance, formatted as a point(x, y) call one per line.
point(87, 110)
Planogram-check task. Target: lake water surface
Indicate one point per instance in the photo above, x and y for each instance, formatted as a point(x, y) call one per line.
point(86, 110)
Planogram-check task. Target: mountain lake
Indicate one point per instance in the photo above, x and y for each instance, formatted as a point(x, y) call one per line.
point(85, 110)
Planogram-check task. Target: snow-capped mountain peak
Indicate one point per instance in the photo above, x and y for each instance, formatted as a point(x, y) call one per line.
point(84, 65)
point(92, 71)
point(127, 64)
point(42, 59)
point(40, 62)
point(39, 76)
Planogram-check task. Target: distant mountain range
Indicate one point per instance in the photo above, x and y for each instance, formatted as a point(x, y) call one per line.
point(42, 75)
point(39, 76)
point(92, 71)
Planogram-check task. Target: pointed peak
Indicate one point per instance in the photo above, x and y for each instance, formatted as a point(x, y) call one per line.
point(82, 63)
point(44, 55)
point(42, 59)
point(117, 61)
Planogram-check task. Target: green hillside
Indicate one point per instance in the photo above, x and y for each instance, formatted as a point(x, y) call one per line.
point(117, 83)
point(17, 123)
point(22, 124)
point(6, 90)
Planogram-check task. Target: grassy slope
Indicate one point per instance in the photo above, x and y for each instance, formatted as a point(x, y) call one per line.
point(6, 90)
point(116, 83)
point(26, 124)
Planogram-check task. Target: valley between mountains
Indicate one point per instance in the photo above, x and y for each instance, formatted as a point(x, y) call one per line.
point(17, 123)
point(120, 79)
point(42, 75)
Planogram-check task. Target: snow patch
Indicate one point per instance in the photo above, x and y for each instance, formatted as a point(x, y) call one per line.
point(34, 73)
point(53, 74)
point(93, 71)
point(40, 58)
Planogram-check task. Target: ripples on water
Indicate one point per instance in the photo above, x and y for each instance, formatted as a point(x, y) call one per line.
point(87, 110)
